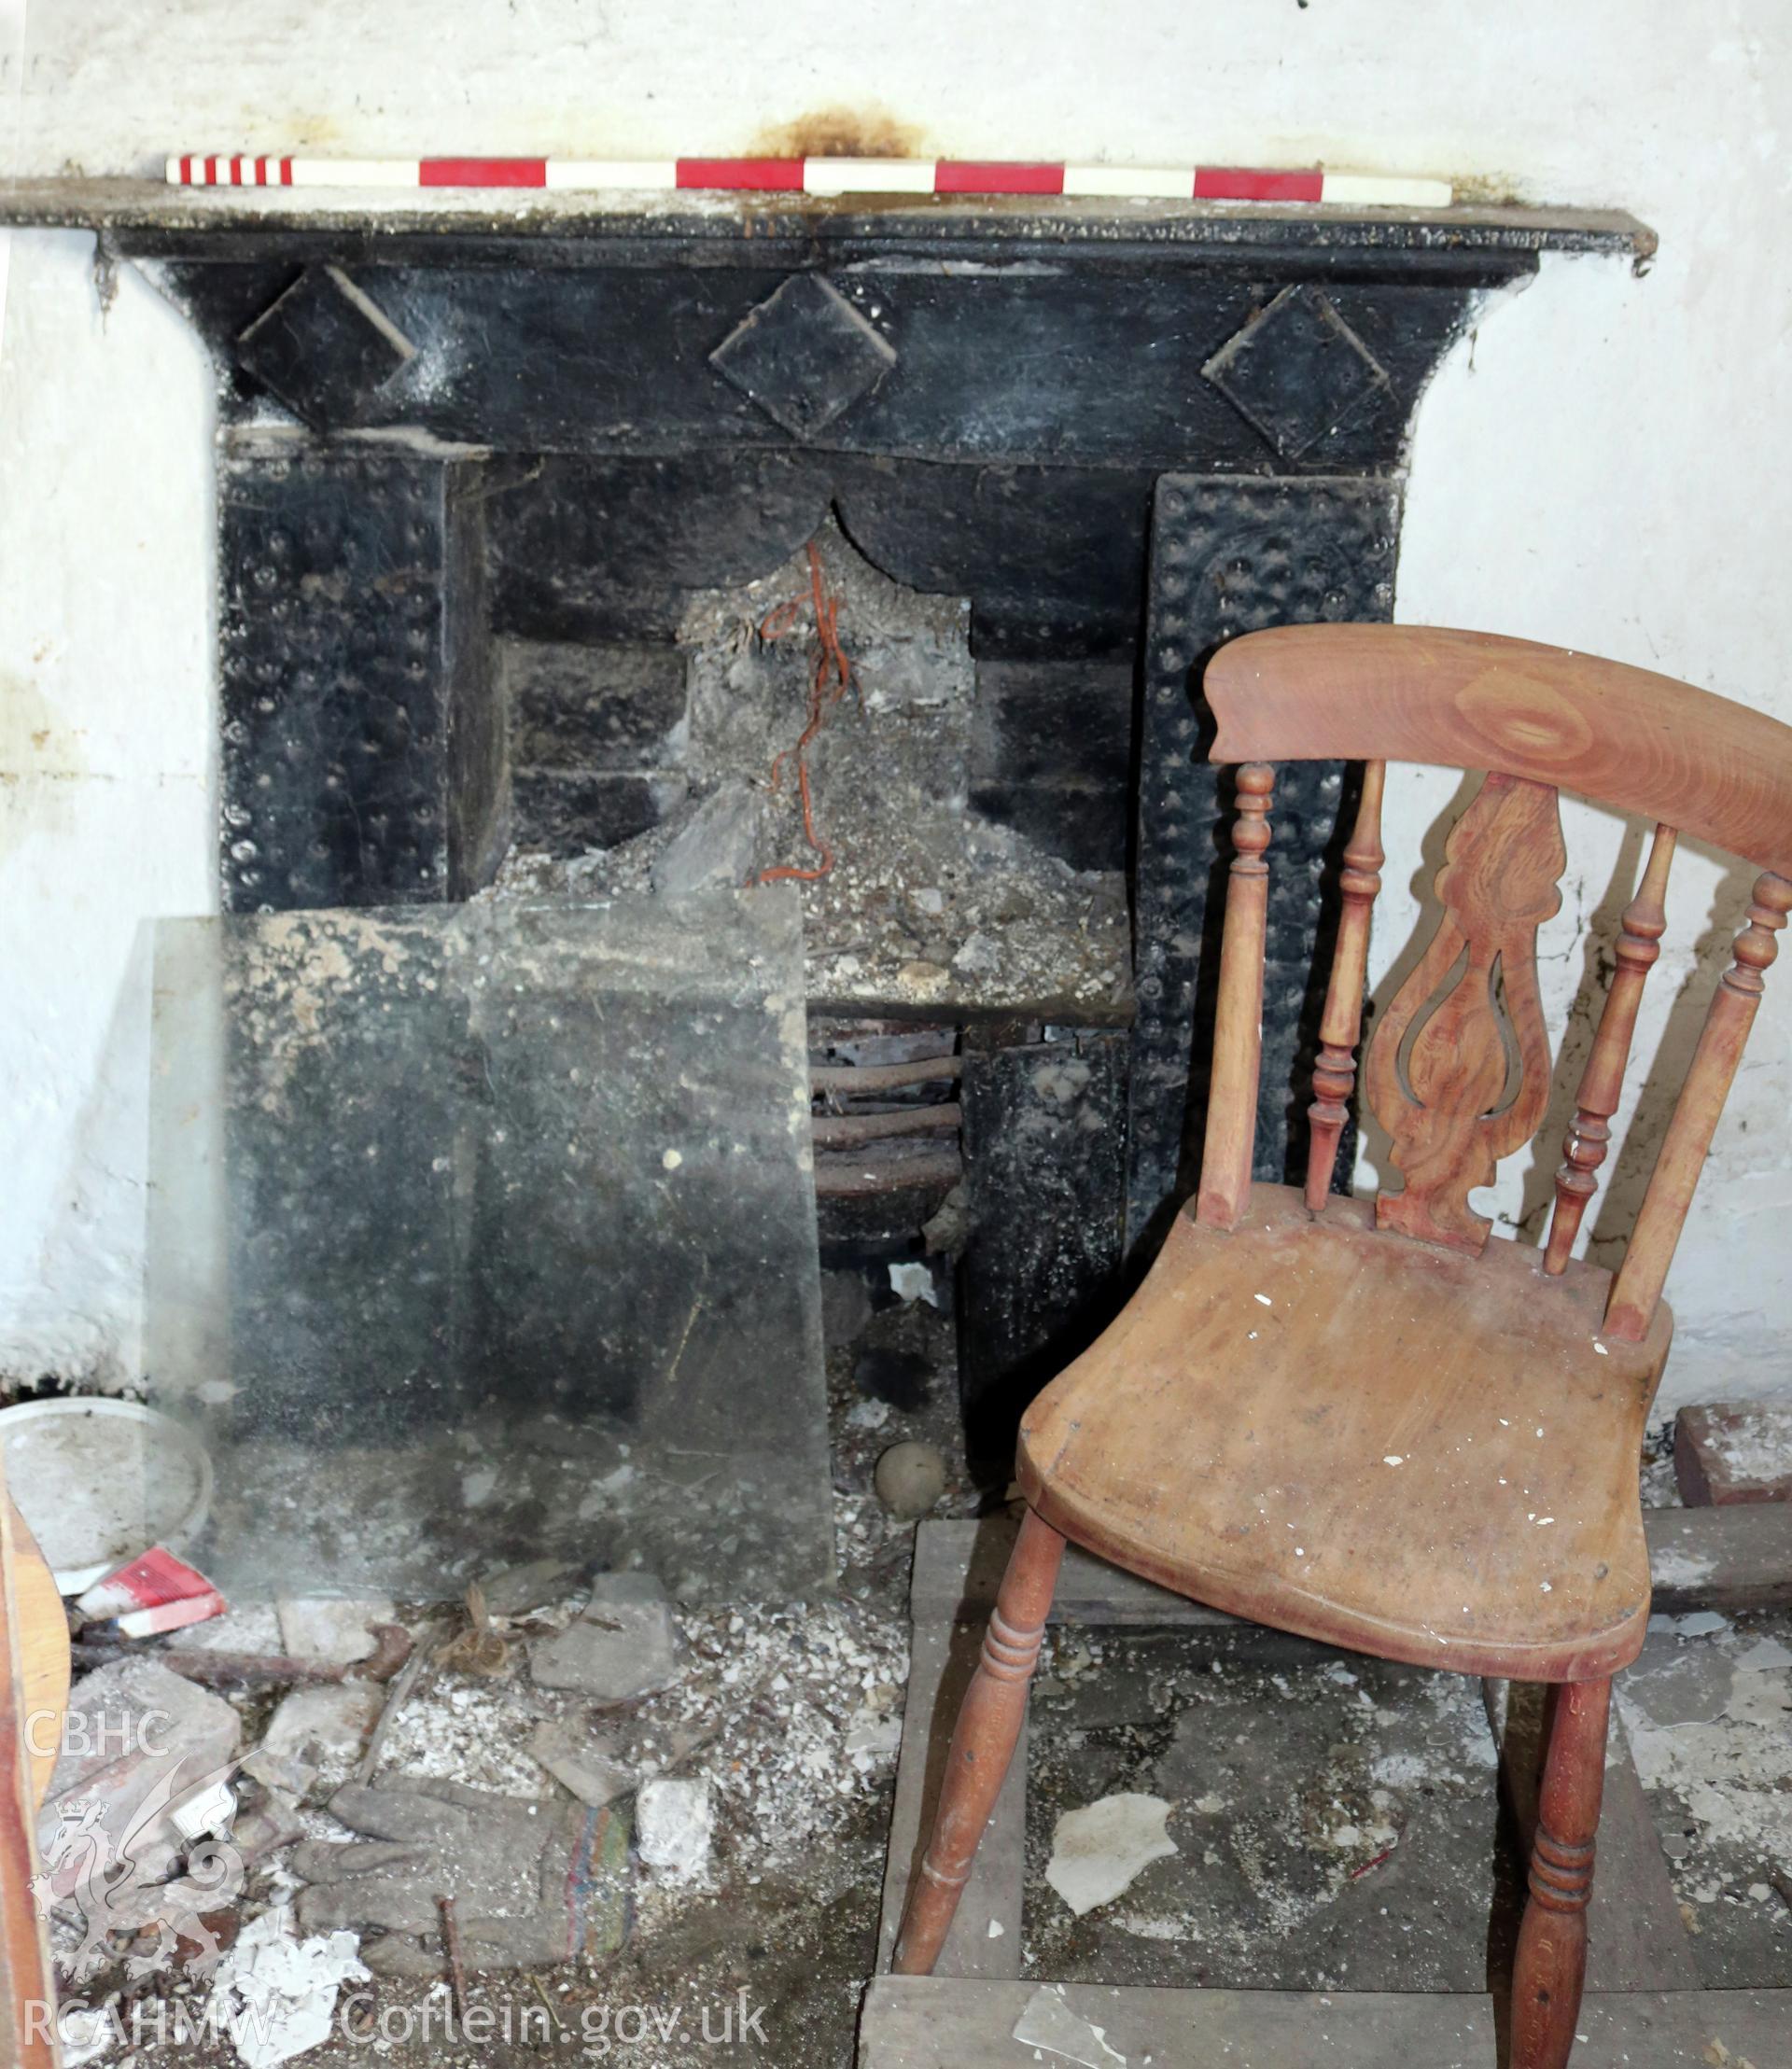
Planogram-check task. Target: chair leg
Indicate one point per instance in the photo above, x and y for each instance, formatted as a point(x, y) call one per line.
point(1551, 1963)
point(983, 1744)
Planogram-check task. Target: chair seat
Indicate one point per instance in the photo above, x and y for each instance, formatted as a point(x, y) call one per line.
point(1371, 1441)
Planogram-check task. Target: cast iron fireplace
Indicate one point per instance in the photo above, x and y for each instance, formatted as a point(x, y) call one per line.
point(478, 456)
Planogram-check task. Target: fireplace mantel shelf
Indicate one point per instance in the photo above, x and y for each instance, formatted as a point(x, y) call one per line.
point(151, 218)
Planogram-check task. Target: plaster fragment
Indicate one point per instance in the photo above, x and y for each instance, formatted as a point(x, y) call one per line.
point(1049, 2023)
point(1098, 1850)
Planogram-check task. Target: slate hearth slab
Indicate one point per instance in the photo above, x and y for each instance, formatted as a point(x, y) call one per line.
point(485, 1234)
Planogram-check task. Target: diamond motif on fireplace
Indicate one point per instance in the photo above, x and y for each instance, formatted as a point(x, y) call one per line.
point(1296, 371)
point(804, 354)
point(324, 348)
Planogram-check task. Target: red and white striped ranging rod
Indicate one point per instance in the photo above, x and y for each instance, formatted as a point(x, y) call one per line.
point(821, 175)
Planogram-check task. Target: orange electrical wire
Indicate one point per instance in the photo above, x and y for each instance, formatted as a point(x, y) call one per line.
point(830, 662)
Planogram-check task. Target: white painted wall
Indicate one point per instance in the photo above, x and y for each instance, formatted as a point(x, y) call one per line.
point(1605, 469)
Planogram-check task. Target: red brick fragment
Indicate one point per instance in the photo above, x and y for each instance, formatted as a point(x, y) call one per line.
point(1734, 1451)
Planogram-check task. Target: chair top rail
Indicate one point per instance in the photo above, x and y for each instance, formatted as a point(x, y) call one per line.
point(1622, 736)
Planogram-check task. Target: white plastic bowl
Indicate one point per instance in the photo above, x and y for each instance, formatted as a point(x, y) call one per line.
point(100, 1480)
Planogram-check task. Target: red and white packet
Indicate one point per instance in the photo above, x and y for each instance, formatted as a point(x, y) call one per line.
point(153, 1593)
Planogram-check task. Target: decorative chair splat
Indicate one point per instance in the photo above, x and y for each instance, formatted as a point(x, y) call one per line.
point(1440, 1076)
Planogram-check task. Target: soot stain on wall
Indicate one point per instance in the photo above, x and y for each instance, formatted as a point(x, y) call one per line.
point(841, 133)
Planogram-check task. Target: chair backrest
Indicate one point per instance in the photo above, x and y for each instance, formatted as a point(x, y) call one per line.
point(1453, 1092)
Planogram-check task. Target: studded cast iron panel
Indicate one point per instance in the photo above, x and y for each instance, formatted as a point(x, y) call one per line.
point(1230, 556)
point(362, 749)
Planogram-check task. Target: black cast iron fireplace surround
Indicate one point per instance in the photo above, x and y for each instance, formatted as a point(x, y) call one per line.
point(1125, 432)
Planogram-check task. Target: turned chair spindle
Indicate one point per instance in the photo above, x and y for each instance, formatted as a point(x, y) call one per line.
point(1341, 1021)
point(1237, 1023)
point(1636, 1293)
point(1602, 1083)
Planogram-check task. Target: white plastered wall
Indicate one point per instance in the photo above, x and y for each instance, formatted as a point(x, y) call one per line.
point(1606, 467)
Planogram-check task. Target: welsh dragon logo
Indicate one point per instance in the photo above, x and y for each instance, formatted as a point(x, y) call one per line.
point(85, 1864)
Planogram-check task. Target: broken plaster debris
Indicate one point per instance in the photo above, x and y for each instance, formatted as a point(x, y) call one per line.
point(324, 1725)
point(913, 1282)
point(516, 1590)
point(275, 1994)
point(582, 1762)
point(1712, 1728)
point(623, 1645)
point(330, 1627)
point(920, 900)
point(675, 1822)
point(1099, 1850)
point(716, 846)
point(1049, 2023)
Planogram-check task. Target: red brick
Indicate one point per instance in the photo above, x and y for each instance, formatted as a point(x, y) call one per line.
point(1734, 1451)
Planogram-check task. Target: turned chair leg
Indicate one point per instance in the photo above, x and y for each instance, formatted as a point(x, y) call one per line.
point(1551, 1962)
point(983, 1744)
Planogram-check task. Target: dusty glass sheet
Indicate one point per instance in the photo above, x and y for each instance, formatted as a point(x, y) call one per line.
point(486, 1233)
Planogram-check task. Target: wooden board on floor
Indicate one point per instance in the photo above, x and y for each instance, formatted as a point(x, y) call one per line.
point(1735, 1557)
point(942, 1658)
point(930, 2022)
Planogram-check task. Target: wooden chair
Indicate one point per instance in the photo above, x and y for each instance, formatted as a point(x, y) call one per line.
point(1364, 1422)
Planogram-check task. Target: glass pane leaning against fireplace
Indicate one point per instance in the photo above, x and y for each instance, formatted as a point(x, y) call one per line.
point(485, 1234)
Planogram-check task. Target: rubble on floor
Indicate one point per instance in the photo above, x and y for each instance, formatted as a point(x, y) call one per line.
point(764, 1733)
point(1256, 1811)
point(576, 1760)
point(675, 1822)
point(334, 1627)
point(755, 1745)
point(622, 1645)
point(277, 1994)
